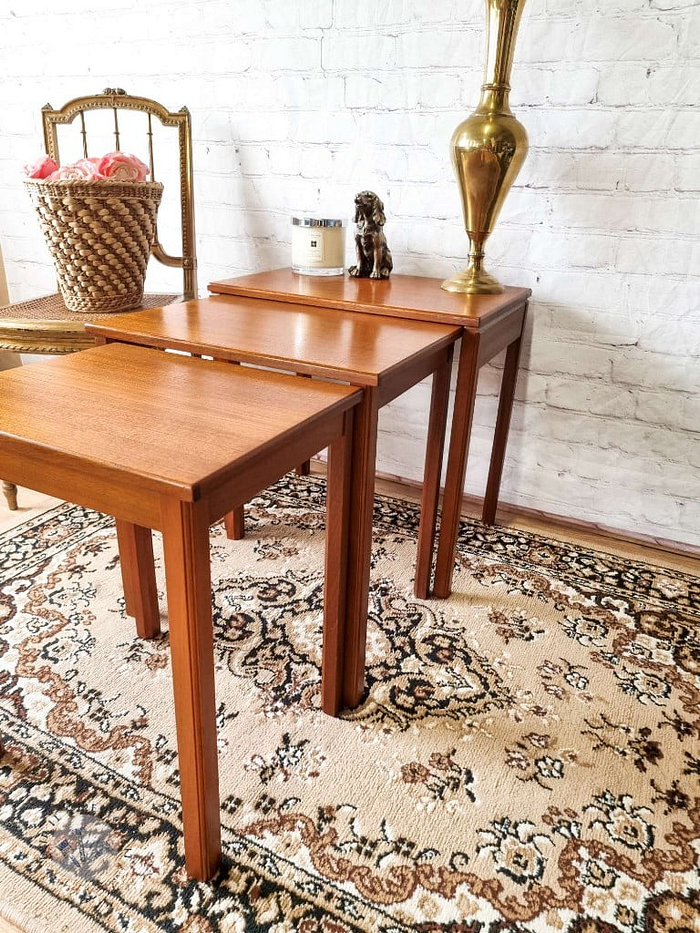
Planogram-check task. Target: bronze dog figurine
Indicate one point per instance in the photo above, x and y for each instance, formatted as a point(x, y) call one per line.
point(373, 256)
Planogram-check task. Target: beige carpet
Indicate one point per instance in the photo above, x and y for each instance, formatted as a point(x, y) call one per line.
point(527, 757)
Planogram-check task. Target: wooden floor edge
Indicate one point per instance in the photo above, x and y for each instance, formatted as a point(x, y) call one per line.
point(676, 548)
point(471, 508)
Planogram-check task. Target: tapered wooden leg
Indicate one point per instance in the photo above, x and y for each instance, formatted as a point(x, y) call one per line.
point(10, 493)
point(465, 396)
point(500, 439)
point(235, 524)
point(139, 577)
point(435, 443)
point(234, 521)
point(304, 469)
point(335, 591)
point(364, 451)
point(187, 573)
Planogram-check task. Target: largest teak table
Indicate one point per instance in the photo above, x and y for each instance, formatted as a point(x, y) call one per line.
point(381, 355)
point(489, 324)
point(129, 433)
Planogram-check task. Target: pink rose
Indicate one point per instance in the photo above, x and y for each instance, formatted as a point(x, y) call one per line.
point(83, 170)
point(42, 168)
point(122, 166)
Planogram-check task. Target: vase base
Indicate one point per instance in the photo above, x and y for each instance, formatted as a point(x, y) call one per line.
point(473, 282)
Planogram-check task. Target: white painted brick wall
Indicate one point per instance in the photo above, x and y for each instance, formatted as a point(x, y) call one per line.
point(296, 106)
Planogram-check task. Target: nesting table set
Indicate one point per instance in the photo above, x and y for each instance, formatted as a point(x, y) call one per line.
point(175, 443)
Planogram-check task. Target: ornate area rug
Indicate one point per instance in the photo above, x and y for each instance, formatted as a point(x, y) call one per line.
point(527, 758)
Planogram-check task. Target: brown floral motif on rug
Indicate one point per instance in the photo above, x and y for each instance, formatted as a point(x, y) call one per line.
point(526, 758)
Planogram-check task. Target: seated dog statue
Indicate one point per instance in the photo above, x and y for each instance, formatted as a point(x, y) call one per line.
point(373, 256)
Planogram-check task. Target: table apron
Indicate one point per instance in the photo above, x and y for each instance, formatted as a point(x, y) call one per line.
point(121, 499)
point(241, 486)
point(409, 374)
point(498, 335)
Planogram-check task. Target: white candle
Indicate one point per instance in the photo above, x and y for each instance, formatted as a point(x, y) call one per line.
point(318, 246)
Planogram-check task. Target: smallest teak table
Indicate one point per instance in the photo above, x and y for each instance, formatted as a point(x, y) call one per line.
point(129, 432)
point(489, 323)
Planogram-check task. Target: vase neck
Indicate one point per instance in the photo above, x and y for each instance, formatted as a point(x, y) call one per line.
point(495, 98)
point(502, 21)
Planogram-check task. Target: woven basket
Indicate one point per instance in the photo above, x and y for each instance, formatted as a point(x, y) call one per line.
point(100, 235)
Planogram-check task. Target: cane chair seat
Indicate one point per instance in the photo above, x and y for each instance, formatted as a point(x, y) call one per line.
point(45, 325)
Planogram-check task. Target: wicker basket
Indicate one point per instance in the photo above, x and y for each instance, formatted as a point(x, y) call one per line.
point(100, 235)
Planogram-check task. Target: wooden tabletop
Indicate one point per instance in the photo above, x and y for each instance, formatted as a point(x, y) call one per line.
point(409, 296)
point(173, 421)
point(358, 348)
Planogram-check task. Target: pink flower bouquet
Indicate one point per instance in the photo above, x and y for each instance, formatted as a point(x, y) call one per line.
point(115, 166)
point(99, 219)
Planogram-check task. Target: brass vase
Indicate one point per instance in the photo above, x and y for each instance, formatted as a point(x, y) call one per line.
point(488, 148)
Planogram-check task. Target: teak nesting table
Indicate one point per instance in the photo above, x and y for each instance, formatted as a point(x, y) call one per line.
point(114, 442)
point(489, 324)
point(383, 356)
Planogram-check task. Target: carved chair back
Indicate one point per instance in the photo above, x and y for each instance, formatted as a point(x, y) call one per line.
point(119, 102)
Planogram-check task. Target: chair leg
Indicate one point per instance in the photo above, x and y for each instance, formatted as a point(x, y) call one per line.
point(10, 492)
point(139, 577)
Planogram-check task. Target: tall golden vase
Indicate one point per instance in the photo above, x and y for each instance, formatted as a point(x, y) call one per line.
point(488, 148)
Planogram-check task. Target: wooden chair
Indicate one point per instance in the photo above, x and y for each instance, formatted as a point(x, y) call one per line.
point(44, 325)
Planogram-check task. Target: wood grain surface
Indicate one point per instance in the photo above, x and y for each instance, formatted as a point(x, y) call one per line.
point(119, 412)
point(415, 297)
point(358, 348)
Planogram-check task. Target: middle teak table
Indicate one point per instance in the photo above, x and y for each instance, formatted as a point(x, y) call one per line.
point(383, 356)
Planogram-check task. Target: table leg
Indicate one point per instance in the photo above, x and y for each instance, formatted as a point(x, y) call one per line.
point(335, 588)
point(10, 493)
point(188, 577)
point(505, 408)
point(139, 577)
point(304, 469)
point(364, 452)
point(235, 524)
point(435, 443)
point(465, 395)
point(234, 521)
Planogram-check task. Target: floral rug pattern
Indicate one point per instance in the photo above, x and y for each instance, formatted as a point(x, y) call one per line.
point(527, 757)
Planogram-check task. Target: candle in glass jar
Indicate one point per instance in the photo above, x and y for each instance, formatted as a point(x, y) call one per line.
point(318, 246)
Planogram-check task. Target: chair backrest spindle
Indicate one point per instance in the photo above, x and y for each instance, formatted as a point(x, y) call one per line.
point(117, 143)
point(151, 162)
point(83, 133)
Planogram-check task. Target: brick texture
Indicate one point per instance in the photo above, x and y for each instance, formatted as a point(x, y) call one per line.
point(297, 106)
